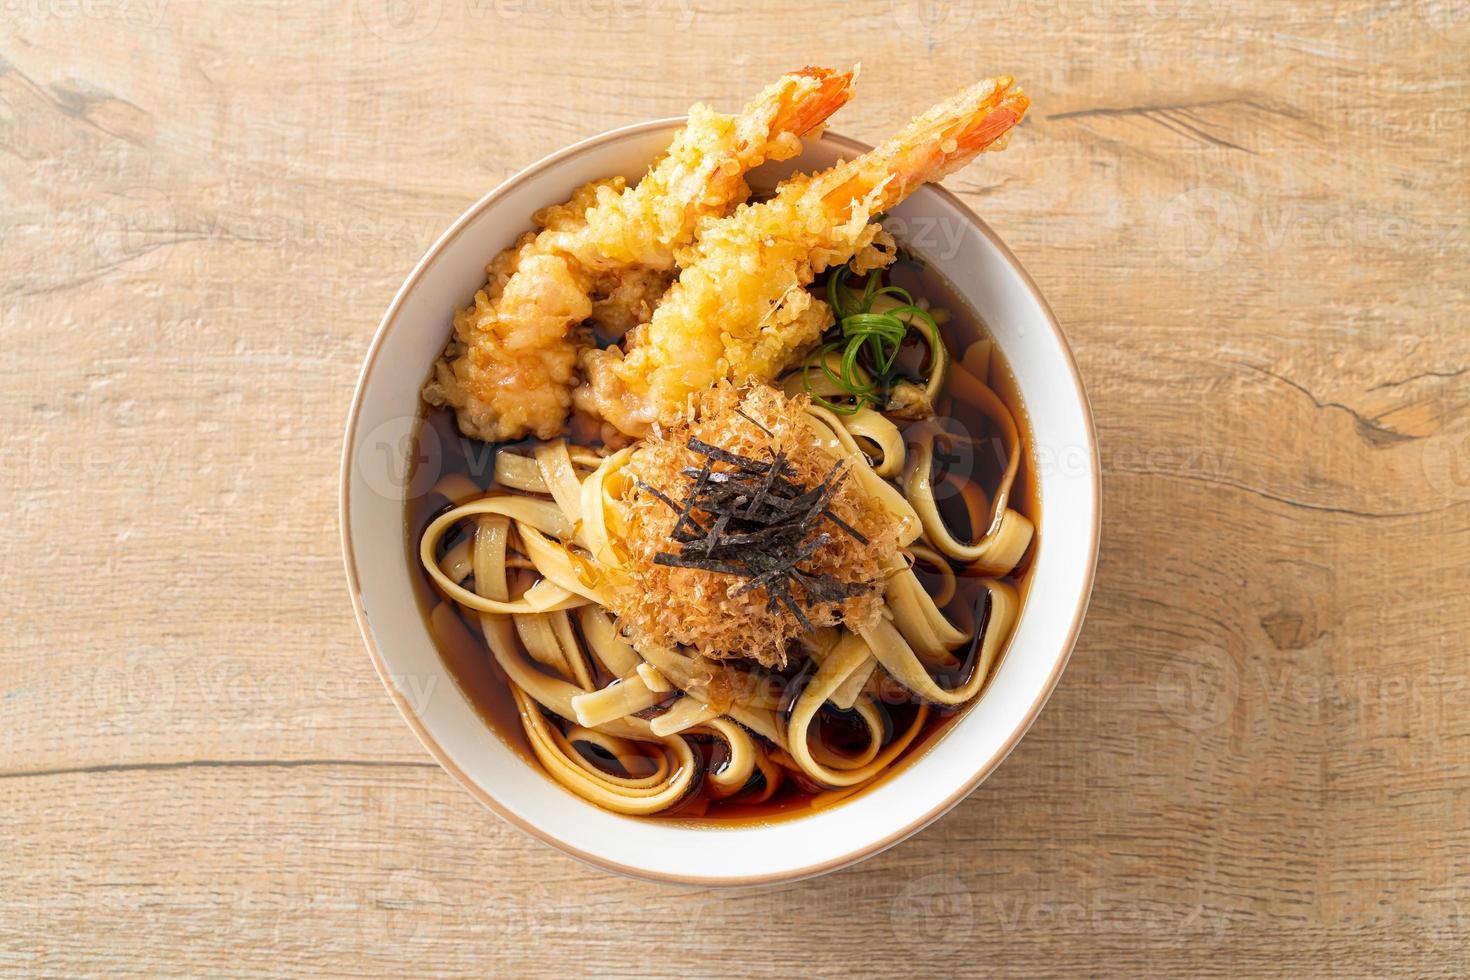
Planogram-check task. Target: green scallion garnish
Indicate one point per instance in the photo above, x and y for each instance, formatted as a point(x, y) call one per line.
point(869, 342)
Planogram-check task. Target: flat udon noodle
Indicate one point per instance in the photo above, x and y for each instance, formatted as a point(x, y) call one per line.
point(1009, 531)
point(567, 535)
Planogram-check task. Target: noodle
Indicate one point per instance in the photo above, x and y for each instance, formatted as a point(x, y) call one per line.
point(620, 723)
point(1009, 531)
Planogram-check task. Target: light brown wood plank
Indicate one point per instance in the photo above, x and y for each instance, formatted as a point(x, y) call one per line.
point(1250, 217)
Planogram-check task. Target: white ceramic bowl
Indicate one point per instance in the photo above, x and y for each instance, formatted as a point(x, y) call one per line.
point(379, 564)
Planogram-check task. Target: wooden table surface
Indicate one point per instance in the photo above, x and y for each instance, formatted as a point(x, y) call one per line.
point(1249, 216)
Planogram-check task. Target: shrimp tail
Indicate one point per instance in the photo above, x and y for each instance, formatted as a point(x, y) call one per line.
point(934, 145)
point(986, 132)
point(815, 94)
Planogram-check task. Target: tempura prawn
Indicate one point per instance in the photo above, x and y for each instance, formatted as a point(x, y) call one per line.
point(740, 308)
point(606, 256)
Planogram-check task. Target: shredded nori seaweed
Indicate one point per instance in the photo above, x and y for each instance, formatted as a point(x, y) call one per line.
point(741, 412)
point(763, 527)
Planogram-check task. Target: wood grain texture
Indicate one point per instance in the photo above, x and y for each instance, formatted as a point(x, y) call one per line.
point(1251, 218)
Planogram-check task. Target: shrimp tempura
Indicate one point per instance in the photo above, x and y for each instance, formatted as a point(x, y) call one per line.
point(740, 309)
point(608, 254)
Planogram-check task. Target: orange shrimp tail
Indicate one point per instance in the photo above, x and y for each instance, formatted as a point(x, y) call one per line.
point(813, 107)
point(944, 139)
point(979, 137)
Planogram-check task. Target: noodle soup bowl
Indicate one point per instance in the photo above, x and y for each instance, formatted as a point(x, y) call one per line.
point(378, 478)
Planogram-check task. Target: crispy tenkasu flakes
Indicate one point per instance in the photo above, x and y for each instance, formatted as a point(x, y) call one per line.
point(744, 533)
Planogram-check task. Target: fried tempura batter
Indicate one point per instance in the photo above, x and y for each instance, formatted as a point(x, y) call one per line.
point(607, 254)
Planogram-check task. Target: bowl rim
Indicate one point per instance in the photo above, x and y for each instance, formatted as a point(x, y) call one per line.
point(440, 755)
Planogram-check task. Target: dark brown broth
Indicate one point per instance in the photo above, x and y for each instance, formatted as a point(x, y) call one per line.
point(484, 682)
